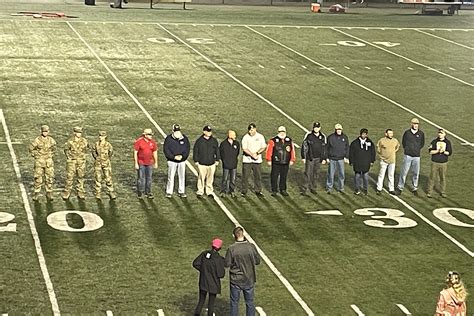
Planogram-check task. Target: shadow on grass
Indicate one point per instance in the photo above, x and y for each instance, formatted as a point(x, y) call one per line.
point(187, 303)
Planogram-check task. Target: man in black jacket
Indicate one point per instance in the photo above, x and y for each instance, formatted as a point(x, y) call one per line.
point(440, 149)
point(338, 154)
point(361, 158)
point(229, 150)
point(206, 156)
point(176, 149)
point(313, 153)
point(210, 265)
point(413, 141)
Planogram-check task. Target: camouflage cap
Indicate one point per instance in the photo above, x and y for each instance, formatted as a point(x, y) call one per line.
point(77, 129)
point(44, 128)
point(103, 133)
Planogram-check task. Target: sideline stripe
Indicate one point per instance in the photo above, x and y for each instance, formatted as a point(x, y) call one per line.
point(403, 309)
point(31, 221)
point(445, 39)
point(406, 58)
point(462, 140)
point(457, 243)
point(357, 310)
point(244, 25)
point(191, 167)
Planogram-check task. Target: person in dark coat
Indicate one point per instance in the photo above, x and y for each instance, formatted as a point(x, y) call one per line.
point(361, 158)
point(229, 150)
point(210, 265)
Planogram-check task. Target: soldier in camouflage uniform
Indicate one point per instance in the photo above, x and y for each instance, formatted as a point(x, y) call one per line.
point(75, 149)
point(102, 151)
point(43, 149)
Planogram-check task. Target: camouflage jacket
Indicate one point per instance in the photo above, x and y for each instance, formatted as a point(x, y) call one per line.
point(43, 147)
point(76, 148)
point(102, 152)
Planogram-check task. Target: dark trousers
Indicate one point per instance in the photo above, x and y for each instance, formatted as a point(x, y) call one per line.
point(228, 180)
point(256, 168)
point(145, 175)
point(279, 171)
point(210, 304)
point(311, 173)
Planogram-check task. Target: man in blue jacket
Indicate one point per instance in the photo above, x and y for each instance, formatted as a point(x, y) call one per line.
point(176, 149)
point(338, 154)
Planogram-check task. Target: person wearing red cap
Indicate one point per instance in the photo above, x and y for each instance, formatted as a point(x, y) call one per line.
point(210, 265)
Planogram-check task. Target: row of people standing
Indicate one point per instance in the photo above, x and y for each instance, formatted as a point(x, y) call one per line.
point(361, 155)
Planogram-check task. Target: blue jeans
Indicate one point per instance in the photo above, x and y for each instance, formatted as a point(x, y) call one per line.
point(228, 180)
point(145, 174)
point(412, 163)
point(361, 177)
point(249, 294)
point(335, 165)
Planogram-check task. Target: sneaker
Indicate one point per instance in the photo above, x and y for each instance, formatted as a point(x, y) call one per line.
point(391, 192)
point(444, 195)
point(243, 194)
point(233, 195)
point(415, 192)
point(66, 195)
point(341, 191)
point(366, 192)
point(378, 192)
point(182, 195)
point(211, 196)
point(113, 195)
point(199, 196)
point(49, 196)
point(81, 196)
point(150, 196)
point(222, 194)
point(98, 197)
point(313, 191)
point(303, 193)
point(168, 196)
point(284, 193)
point(140, 195)
point(259, 194)
point(357, 192)
point(398, 192)
point(328, 192)
point(274, 194)
point(428, 195)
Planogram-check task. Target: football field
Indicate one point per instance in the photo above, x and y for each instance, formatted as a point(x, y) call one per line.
point(227, 66)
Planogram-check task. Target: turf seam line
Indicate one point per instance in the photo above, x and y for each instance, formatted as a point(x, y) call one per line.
point(399, 105)
point(444, 39)
point(31, 220)
point(404, 57)
point(190, 166)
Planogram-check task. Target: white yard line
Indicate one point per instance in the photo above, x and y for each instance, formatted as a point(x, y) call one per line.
point(31, 221)
point(445, 39)
point(109, 313)
point(357, 310)
point(231, 217)
point(403, 57)
point(403, 309)
point(462, 140)
point(160, 312)
point(260, 311)
point(258, 95)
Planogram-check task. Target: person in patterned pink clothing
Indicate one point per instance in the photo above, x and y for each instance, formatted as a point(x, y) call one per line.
point(452, 299)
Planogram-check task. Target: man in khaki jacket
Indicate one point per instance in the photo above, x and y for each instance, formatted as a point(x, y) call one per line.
point(387, 148)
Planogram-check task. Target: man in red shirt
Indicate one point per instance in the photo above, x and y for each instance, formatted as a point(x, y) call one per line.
point(146, 158)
